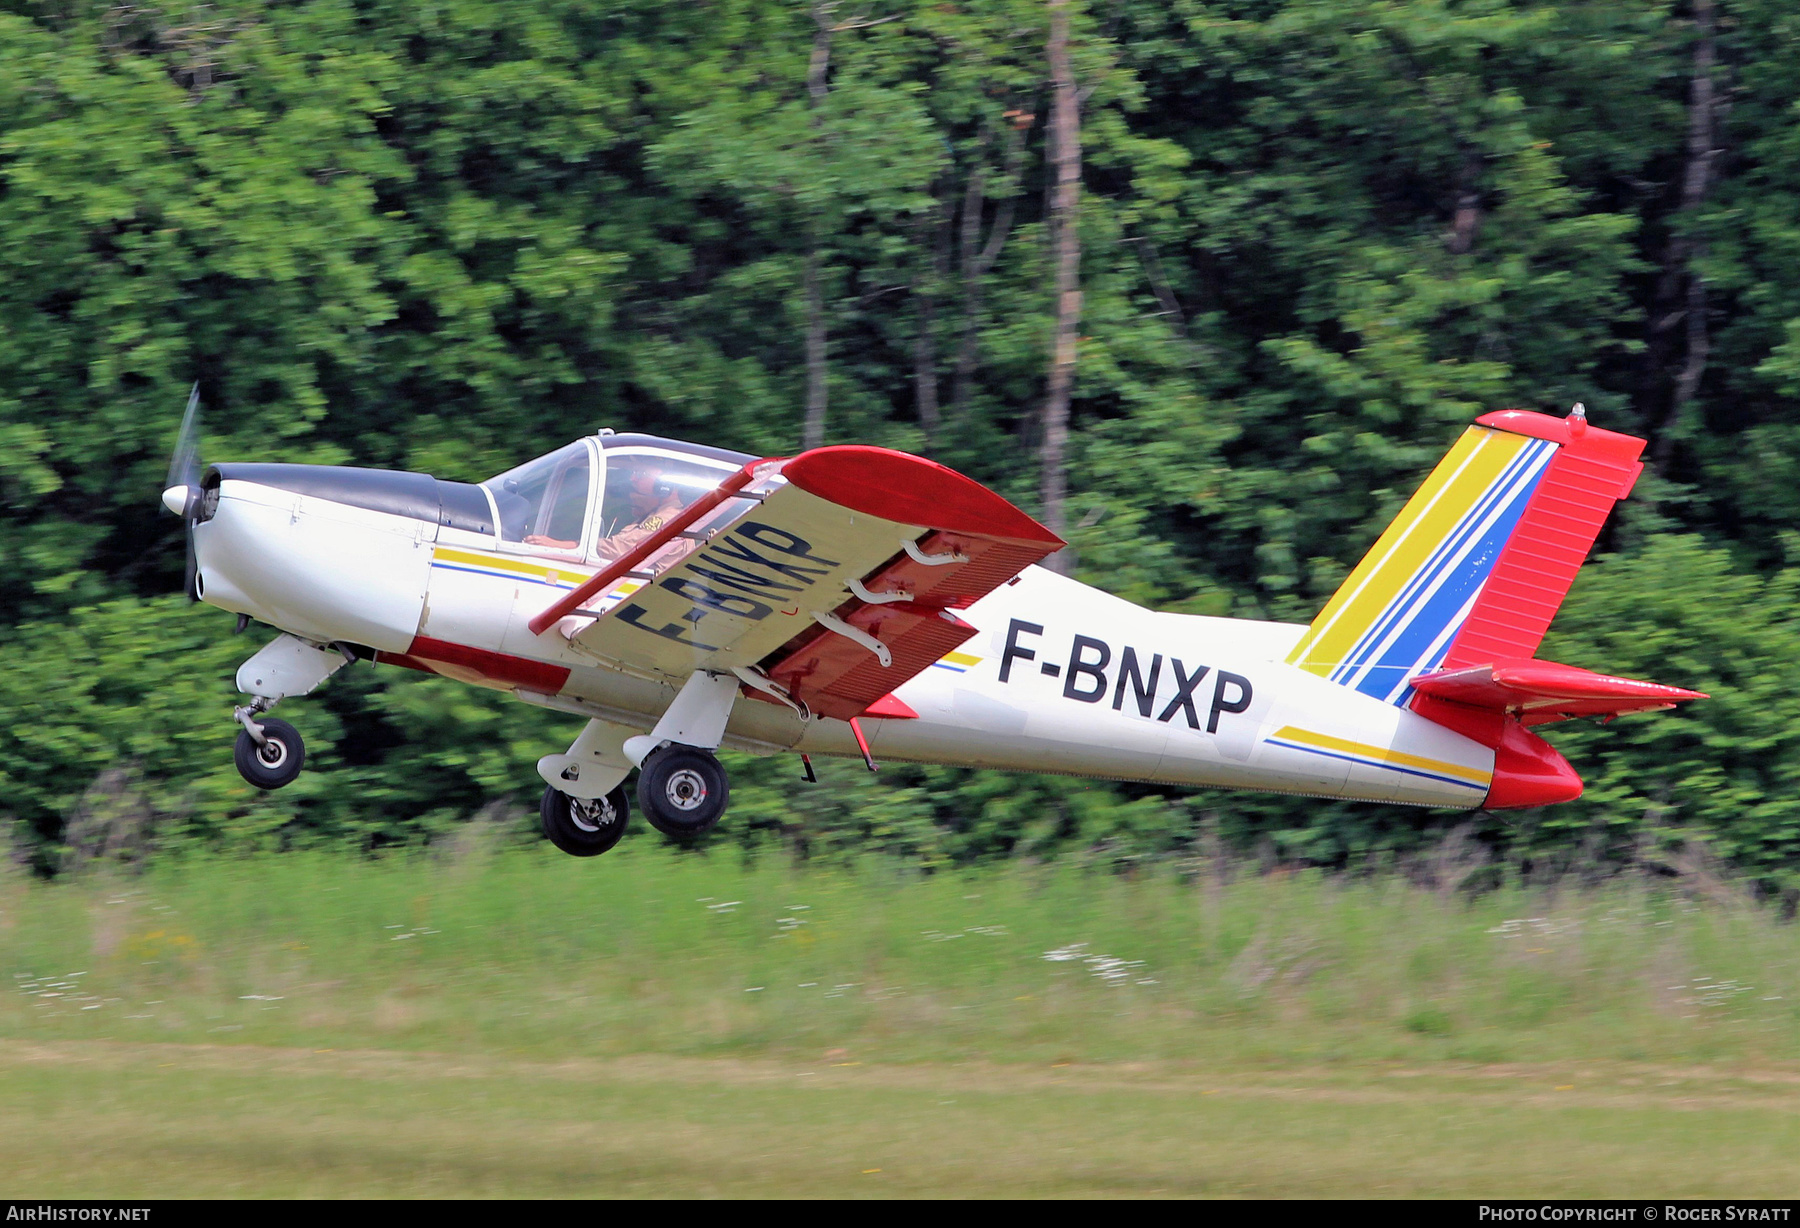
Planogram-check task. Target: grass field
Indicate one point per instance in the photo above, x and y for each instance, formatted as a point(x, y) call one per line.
point(518, 1023)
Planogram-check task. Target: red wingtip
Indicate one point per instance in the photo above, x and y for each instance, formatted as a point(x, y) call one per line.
point(911, 490)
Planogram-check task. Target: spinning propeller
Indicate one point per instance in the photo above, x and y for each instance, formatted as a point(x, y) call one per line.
point(181, 492)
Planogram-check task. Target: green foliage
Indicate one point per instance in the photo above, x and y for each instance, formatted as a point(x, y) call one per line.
point(129, 684)
point(126, 707)
point(1724, 770)
point(482, 947)
point(474, 1022)
point(1318, 236)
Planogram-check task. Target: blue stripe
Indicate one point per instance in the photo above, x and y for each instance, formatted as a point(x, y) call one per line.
point(1328, 754)
point(1425, 667)
point(1435, 564)
point(1404, 654)
point(1441, 558)
point(502, 575)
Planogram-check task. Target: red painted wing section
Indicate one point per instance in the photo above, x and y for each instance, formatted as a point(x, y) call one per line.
point(841, 679)
point(1543, 691)
point(991, 563)
point(912, 490)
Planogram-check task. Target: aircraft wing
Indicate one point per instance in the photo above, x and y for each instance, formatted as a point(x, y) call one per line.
point(838, 583)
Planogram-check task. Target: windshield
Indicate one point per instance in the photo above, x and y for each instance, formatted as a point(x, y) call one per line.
point(544, 502)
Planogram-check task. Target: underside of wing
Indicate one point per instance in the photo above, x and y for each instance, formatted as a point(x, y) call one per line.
point(831, 580)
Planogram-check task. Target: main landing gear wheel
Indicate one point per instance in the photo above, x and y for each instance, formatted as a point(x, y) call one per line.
point(277, 761)
point(583, 826)
point(683, 791)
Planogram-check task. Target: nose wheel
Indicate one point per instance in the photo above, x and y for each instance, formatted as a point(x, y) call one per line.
point(683, 791)
point(276, 759)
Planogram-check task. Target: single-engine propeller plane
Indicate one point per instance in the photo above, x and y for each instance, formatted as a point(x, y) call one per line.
point(856, 600)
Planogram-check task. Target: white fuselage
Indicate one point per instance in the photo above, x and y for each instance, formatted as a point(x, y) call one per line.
point(1061, 677)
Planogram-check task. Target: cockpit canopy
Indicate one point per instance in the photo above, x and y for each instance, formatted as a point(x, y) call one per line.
point(641, 481)
point(546, 497)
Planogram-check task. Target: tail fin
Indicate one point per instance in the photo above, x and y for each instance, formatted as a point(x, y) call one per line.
point(1478, 561)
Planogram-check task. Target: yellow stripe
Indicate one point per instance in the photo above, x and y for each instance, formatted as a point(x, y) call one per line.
point(1382, 754)
point(501, 562)
point(1429, 517)
point(961, 658)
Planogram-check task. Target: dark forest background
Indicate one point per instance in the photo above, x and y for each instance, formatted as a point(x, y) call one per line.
point(1310, 239)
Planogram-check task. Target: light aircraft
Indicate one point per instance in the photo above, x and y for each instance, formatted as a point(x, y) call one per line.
point(855, 600)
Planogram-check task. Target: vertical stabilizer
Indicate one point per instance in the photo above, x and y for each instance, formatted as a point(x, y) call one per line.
point(1478, 561)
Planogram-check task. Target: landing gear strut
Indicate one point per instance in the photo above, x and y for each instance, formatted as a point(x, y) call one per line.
point(683, 791)
point(583, 826)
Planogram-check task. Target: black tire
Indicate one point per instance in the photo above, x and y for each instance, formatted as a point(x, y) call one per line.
point(683, 791)
point(584, 827)
point(277, 761)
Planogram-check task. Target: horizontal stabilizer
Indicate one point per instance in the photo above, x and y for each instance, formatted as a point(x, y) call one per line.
point(1539, 692)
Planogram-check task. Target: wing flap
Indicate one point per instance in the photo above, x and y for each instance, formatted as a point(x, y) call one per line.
point(990, 562)
point(837, 677)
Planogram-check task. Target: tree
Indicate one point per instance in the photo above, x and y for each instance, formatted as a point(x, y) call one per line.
point(1679, 307)
point(808, 156)
point(1065, 246)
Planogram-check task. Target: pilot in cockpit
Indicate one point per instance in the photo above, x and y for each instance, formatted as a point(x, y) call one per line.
point(644, 502)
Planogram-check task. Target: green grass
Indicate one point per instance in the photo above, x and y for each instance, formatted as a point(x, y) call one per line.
point(91, 1120)
point(516, 1022)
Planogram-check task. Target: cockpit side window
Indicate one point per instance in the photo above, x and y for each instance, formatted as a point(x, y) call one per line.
point(646, 489)
point(544, 502)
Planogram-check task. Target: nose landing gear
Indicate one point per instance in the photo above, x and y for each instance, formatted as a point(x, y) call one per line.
point(269, 752)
